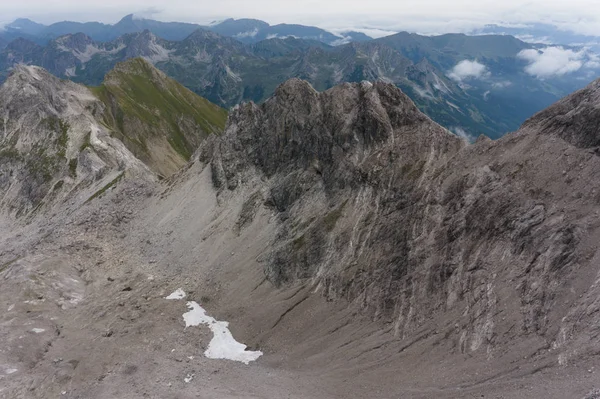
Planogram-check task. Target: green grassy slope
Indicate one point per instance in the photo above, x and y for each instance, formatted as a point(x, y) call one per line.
point(158, 119)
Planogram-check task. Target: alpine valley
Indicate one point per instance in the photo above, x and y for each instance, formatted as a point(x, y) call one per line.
point(316, 243)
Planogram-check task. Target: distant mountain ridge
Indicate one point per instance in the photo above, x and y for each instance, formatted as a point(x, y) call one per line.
point(542, 33)
point(472, 85)
point(245, 30)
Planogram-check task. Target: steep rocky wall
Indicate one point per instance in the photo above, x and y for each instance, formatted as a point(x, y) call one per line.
point(381, 207)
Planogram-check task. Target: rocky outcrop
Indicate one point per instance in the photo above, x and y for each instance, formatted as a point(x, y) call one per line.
point(575, 118)
point(380, 206)
point(51, 141)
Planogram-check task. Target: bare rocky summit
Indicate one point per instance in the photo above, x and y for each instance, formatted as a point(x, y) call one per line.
point(365, 250)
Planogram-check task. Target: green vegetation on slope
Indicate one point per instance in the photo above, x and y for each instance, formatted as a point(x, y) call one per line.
point(145, 106)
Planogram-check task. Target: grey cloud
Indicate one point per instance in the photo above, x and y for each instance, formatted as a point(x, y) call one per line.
point(148, 13)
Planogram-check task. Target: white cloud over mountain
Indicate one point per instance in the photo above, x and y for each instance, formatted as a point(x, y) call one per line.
point(557, 61)
point(467, 69)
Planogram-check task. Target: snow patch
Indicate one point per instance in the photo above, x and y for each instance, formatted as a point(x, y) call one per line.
point(11, 307)
point(222, 345)
point(38, 330)
point(178, 294)
point(188, 378)
point(70, 72)
point(10, 371)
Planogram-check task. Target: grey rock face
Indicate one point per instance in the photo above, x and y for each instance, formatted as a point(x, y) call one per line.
point(576, 118)
point(380, 206)
point(51, 141)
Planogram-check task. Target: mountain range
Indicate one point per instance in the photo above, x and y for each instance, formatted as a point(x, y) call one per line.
point(349, 243)
point(542, 33)
point(493, 101)
point(245, 30)
point(472, 85)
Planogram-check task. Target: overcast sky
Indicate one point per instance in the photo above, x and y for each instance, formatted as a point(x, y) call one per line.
point(423, 16)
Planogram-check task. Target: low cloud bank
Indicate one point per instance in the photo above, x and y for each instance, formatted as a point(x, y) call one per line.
point(250, 33)
point(557, 61)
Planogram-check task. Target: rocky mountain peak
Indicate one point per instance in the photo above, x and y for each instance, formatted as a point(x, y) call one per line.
point(51, 141)
point(340, 133)
point(22, 72)
point(214, 43)
point(295, 92)
point(377, 205)
point(424, 66)
point(22, 45)
point(27, 81)
point(163, 121)
point(146, 44)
